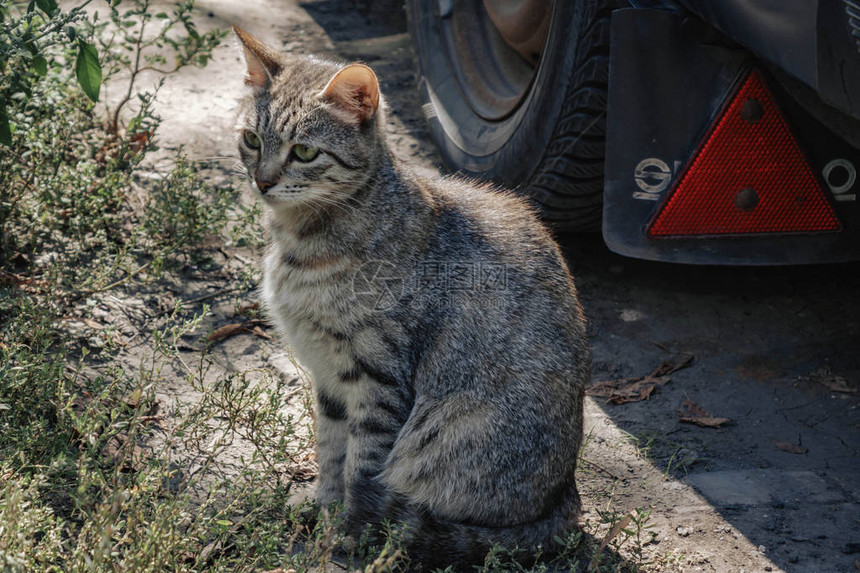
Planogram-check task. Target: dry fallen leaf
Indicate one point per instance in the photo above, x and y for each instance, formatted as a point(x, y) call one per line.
point(227, 331)
point(834, 382)
point(790, 448)
point(624, 390)
point(692, 413)
point(250, 326)
point(673, 364)
point(260, 332)
point(605, 388)
point(838, 384)
point(706, 421)
point(140, 140)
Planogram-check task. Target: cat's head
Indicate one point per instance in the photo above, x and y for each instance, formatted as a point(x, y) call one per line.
point(310, 130)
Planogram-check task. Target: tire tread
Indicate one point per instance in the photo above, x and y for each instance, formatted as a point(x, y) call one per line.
point(568, 183)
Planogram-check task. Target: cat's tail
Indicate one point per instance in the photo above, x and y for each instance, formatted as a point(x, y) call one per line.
point(433, 543)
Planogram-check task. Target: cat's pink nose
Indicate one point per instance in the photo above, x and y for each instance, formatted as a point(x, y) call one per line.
point(264, 185)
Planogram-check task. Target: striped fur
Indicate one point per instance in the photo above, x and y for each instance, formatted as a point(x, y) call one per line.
point(454, 405)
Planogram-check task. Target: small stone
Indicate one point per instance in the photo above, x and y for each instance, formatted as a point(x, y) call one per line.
point(683, 530)
point(631, 315)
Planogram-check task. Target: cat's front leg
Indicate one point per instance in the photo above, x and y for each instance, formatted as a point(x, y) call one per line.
point(373, 431)
point(332, 431)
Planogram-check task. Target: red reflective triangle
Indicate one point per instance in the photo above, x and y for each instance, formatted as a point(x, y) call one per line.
point(749, 176)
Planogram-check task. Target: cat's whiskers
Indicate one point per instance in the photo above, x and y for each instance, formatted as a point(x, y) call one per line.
point(240, 170)
point(316, 211)
point(367, 179)
point(208, 158)
point(336, 202)
point(296, 213)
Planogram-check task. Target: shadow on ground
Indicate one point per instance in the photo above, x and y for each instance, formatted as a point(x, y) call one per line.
point(776, 351)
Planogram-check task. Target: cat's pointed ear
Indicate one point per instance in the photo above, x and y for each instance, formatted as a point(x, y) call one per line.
point(261, 61)
point(355, 90)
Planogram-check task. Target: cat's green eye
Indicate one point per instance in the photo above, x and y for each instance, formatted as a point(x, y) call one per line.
point(305, 152)
point(252, 140)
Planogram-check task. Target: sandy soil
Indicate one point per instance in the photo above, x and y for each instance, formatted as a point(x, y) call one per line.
point(775, 489)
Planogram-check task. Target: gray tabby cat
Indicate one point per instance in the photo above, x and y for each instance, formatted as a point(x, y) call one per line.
point(452, 401)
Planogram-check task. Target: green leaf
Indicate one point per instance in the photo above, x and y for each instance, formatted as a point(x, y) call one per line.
point(5, 130)
point(191, 29)
point(88, 70)
point(40, 66)
point(224, 522)
point(49, 7)
point(162, 15)
point(29, 42)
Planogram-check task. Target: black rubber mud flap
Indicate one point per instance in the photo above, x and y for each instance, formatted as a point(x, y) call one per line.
point(672, 75)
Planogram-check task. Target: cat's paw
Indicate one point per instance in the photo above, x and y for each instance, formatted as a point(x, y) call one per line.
point(348, 544)
point(324, 494)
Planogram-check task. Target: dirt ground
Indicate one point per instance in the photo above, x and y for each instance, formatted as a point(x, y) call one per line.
point(775, 350)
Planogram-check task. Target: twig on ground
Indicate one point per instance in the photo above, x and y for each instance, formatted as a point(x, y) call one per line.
point(600, 468)
point(219, 292)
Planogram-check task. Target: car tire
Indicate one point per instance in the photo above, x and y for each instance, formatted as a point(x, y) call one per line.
point(549, 147)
